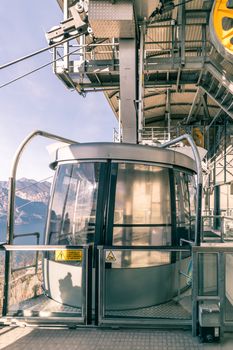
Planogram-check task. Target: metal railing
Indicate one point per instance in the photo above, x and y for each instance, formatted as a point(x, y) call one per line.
point(220, 226)
point(110, 260)
point(116, 136)
point(35, 265)
point(212, 280)
point(198, 162)
point(24, 303)
point(157, 134)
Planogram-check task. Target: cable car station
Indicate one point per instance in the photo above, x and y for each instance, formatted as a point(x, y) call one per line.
point(139, 231)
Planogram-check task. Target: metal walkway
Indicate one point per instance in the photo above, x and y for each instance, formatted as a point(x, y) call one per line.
point(101, 339)
point(171, 309)
point(42, 304)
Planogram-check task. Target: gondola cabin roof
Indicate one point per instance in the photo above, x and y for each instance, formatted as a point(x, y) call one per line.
point(122, 152)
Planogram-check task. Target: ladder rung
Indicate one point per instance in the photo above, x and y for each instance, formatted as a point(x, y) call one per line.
point(226, 98)
point(220, 92)
point(231, 106)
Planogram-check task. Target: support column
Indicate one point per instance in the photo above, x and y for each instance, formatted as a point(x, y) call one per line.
point(168, 113)
point(128, 91)
point(217, 221)
point(141, 85)
point(181, 22)
point(66, 45)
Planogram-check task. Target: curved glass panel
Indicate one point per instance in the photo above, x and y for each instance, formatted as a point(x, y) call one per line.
point(142, 213)
point(185, 189)
point(73, 212)
point(142, 195)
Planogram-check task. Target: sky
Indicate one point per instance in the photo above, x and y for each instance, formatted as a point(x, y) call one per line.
point(40, 101)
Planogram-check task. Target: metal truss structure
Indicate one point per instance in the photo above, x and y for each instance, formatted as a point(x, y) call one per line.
point(157, 66)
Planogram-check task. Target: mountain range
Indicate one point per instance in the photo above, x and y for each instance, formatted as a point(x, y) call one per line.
point(30, 203)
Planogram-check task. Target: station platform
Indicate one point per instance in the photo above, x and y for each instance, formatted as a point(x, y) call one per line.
point(17, 338)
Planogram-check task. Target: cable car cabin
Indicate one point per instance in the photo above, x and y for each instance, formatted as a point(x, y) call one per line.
point(121, 195)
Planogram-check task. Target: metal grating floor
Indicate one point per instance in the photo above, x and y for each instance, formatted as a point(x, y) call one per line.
point(43, 304)
point(169, 310)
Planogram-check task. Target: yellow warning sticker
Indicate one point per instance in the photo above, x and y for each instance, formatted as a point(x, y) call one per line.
point(110, 257)
point(68, 255)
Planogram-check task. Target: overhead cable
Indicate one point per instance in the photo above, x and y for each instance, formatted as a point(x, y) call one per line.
point(23, 58)
point(39, 68)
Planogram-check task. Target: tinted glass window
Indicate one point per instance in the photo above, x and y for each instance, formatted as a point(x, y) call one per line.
point(142, 213)
point(73, 212)
point(185, 204)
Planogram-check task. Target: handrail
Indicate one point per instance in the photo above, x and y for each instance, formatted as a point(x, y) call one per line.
point(226, 247)
point(227, 218)
point(11, 195)
point(182, 240)
point(42, 248)
point(199, 180)
point(146, 248)
point(37, 234)
point(207, 221)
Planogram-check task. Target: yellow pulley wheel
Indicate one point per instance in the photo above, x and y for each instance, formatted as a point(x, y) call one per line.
point(221, 27)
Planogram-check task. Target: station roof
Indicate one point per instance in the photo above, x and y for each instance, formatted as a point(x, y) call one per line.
point(183, 73)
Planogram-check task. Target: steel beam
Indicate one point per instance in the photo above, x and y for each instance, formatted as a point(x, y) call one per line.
point(181, 22)
point(66, 45)
point(205, 106)
point(220, 112)
point(217, 71)
point(160, 118)
point(148, 84)
point(219, 103)
point(168, 112)
point(170, 63)
point(128, 91)
point(194, 104)
point(152, 64)
point(141, 83)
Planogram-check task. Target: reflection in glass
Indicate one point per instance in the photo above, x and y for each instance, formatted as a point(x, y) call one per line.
point(142, 198)
point(208, 274)
point(142, 195)
point(185, 190)
point(158, 236)
point(73, 212)
point(229, 287)
point(140, 258)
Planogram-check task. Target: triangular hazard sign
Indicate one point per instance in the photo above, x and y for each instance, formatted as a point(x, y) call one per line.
point(60, 255)
point(110, 257)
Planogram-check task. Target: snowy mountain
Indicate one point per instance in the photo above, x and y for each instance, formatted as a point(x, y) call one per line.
point(30, 203)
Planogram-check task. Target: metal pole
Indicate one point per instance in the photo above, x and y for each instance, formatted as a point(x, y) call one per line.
point(83, 48)
point(119, 120)
point(203, 31)
point(173, 43)
point(66, 45)
point(128, 89)
point(168, 110)
point(225, 151)
point(141, 84)
point(181, 19)
point(199, 180)
point(54, 60)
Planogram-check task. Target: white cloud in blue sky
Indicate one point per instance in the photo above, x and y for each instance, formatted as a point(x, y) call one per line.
point(40, 101)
